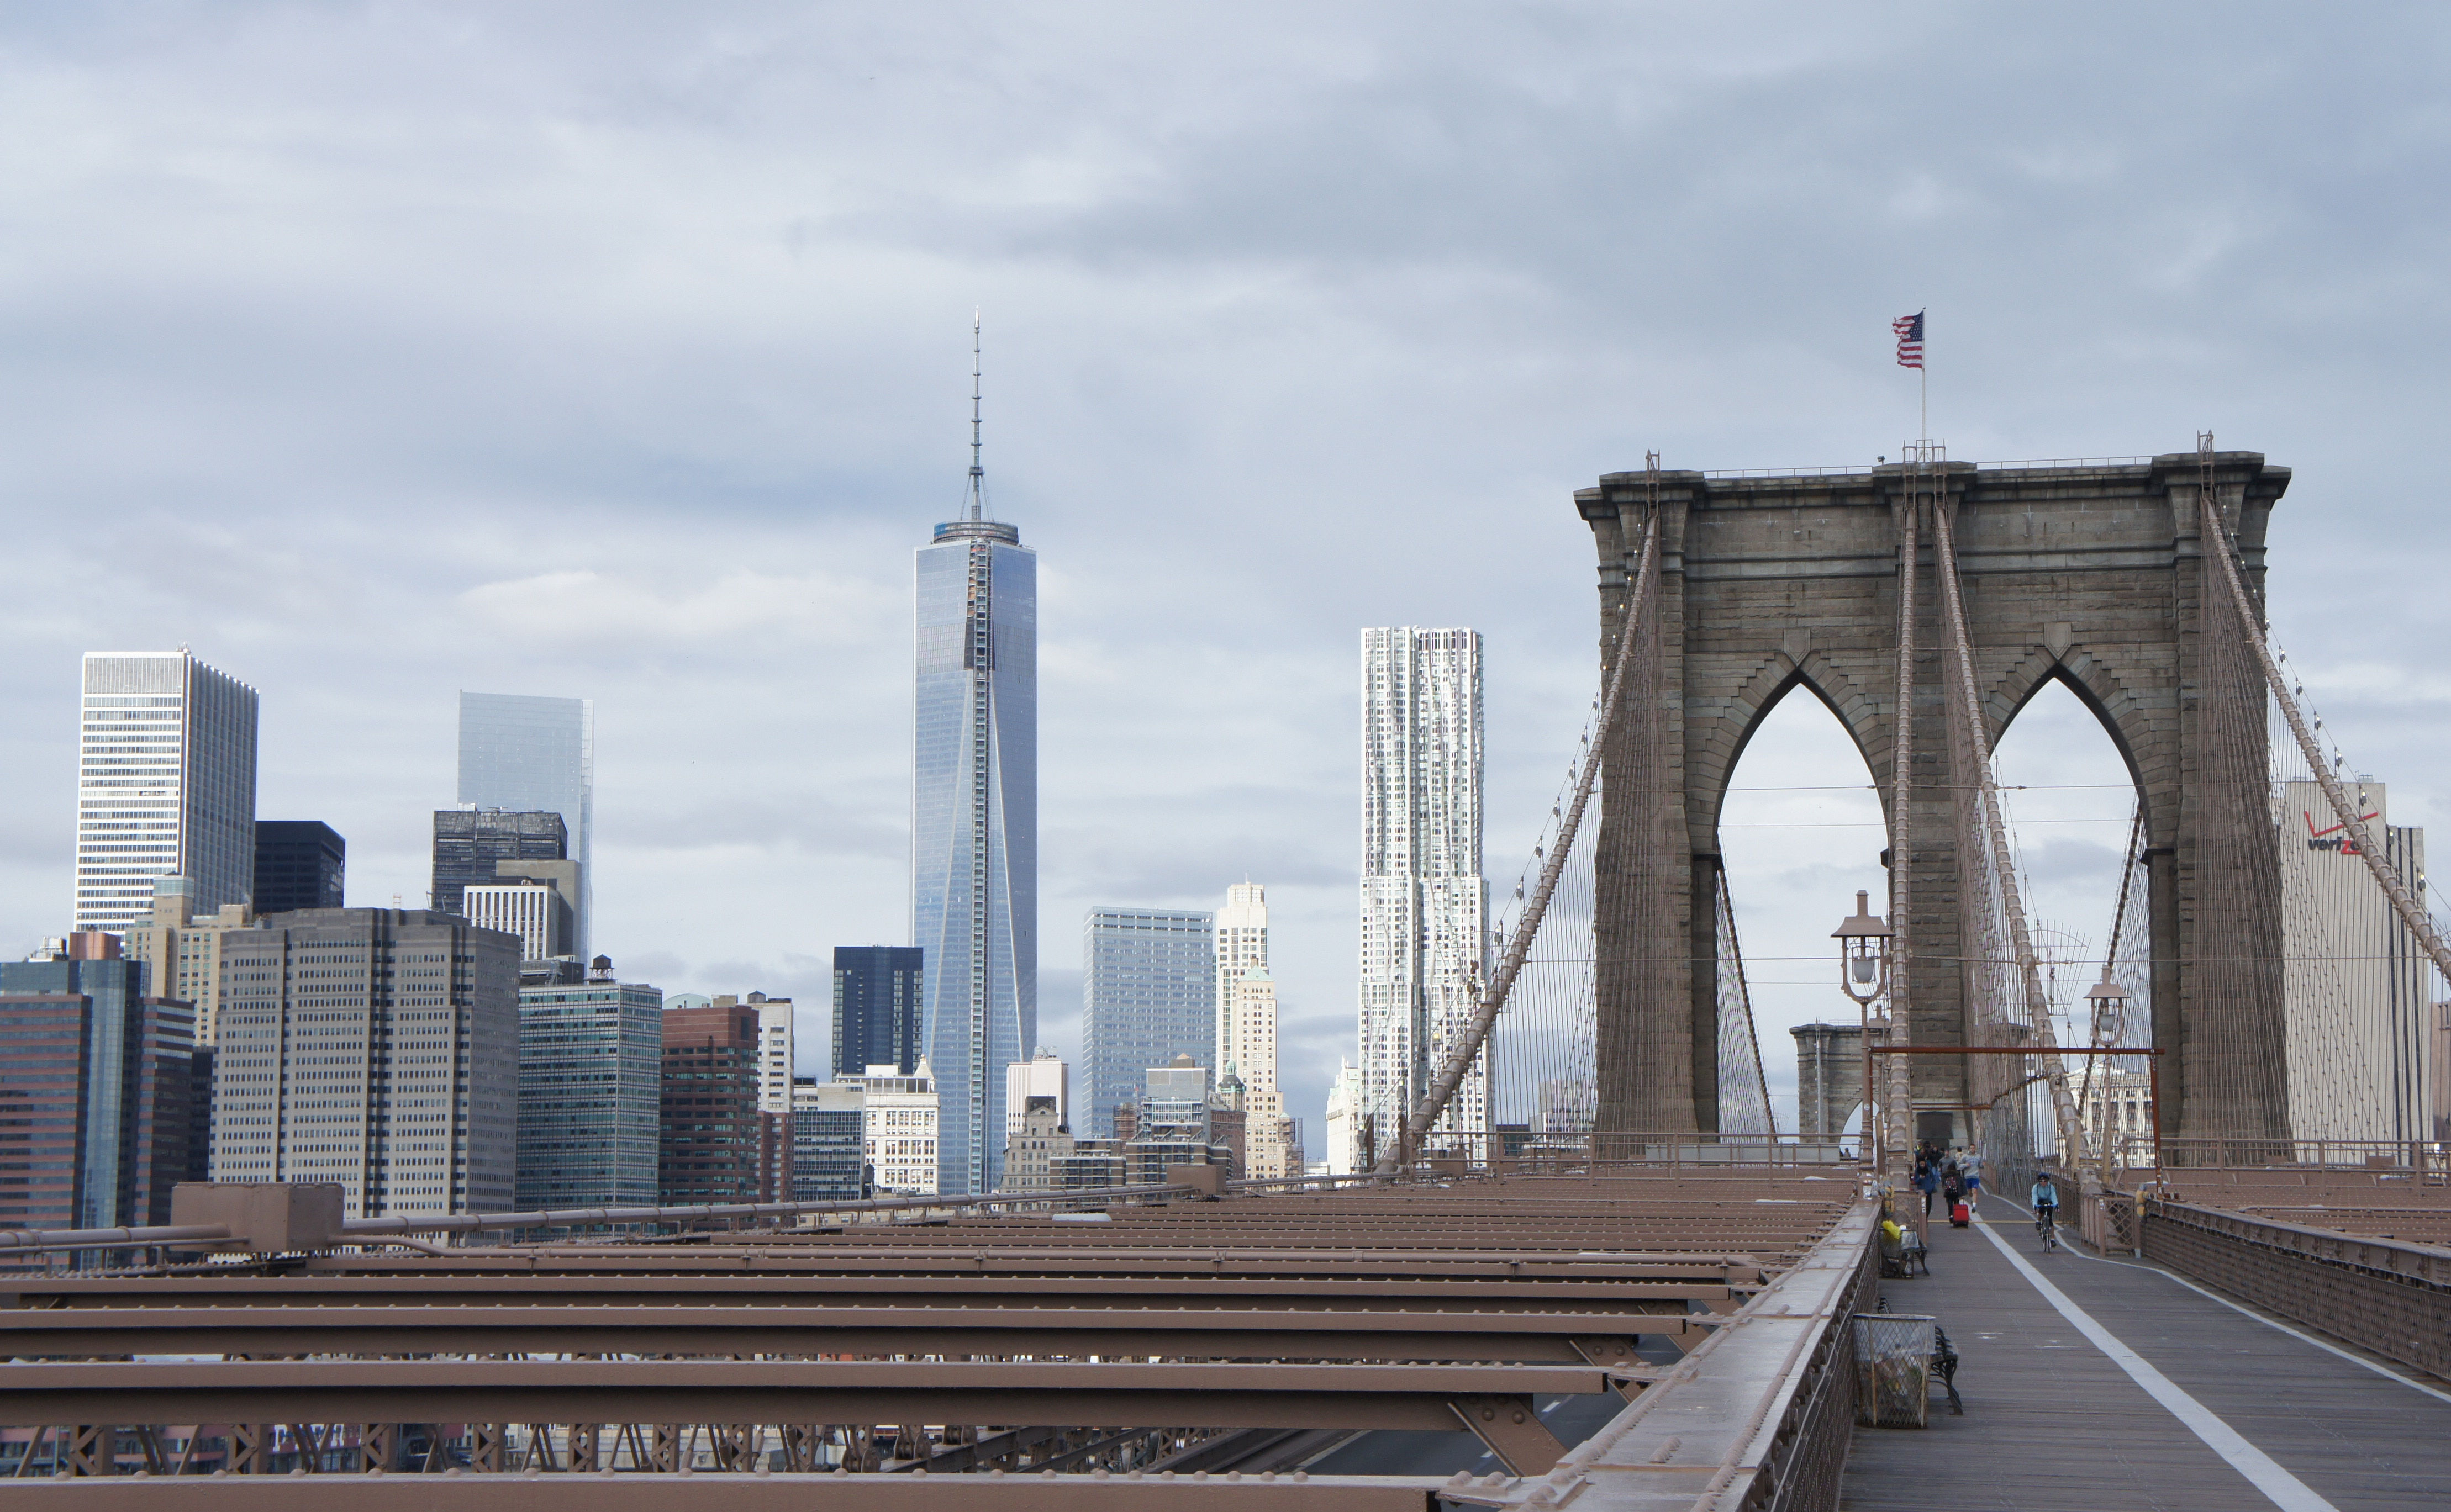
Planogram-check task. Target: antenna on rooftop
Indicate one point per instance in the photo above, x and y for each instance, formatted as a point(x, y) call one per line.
point(978, 474)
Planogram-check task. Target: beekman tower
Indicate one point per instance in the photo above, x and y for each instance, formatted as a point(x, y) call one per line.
point(974, 823)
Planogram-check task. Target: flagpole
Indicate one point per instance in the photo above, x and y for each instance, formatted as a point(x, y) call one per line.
point(1923, 376)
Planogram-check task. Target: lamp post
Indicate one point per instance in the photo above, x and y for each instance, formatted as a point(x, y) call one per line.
point(1864, 975)
point(2109, 1001)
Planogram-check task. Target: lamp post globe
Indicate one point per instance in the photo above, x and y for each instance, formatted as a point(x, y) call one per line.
point(1863, 952)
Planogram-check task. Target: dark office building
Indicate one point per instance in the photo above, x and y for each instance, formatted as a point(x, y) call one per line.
point(714, 1145)
point(298, 864)
point(93, 1111)
point(877, 1008)
point(468, 843)
point(199, 1114)
point(828, 1143)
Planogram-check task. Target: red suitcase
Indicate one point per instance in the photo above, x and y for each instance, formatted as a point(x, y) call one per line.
point(1960, 1215)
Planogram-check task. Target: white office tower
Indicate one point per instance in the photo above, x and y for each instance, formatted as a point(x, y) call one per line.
point(1241, 944)
point(902, 1129)
point(1246, 1028)
point(2359, 1011)
point(1041, 1076)
point(1267, 1138)
point(777, 1047)
point(1424, 903)
point(538, 915)
point(166, 786)
point(1345, 1155)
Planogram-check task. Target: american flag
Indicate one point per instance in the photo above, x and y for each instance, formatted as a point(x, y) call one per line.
point(1909, 330)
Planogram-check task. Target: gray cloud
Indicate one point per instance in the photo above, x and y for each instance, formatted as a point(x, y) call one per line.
point(621, 352)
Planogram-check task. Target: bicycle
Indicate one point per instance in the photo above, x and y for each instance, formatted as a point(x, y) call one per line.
point(2046, 1225)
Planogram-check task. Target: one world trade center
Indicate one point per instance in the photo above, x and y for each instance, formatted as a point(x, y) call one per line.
point(974, 824)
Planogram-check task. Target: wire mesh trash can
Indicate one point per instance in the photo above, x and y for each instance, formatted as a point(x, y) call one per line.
point(1893, 1368)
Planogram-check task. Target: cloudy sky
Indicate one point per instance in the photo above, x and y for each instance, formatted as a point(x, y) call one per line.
point(380, 351)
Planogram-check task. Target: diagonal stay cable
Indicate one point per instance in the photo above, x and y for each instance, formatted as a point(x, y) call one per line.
point(1436, 1096)
point(2385, 876)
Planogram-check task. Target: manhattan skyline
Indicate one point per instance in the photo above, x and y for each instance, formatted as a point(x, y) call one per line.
point(375, 362)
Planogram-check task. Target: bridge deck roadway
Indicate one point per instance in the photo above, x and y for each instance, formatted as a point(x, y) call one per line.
point(2053, 1421)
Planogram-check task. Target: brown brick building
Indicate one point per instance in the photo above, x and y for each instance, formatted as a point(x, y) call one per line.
point(715, 1146)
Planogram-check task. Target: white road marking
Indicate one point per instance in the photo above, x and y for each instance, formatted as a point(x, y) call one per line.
point(2383, 1370)
point(2279, 1486)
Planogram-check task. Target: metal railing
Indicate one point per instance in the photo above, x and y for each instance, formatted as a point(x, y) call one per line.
point(1597, 1149)
point(2428, 1157)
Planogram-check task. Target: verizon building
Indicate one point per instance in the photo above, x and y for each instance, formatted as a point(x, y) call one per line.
point(2358, 987)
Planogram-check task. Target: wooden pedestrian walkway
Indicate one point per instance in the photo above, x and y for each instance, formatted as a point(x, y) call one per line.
point(2052, 1420)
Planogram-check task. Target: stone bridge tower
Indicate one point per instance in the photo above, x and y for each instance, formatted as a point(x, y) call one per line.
point(2089, 573)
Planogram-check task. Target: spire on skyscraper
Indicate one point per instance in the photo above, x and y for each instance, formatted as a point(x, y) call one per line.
point(978, 474)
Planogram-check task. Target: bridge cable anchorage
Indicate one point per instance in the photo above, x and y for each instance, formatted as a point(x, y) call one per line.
point(1993, 877)
point(2385, 876)
point(1494, 992)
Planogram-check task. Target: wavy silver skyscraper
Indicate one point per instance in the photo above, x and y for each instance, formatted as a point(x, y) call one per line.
point(1424, 905)
point(974, 823)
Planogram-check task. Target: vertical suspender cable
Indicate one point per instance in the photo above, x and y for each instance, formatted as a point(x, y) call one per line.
point(1435, 1098)
point(2038, 1012)
point(1901, 1094)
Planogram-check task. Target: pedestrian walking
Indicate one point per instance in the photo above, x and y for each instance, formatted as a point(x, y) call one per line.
point(1926, 1181)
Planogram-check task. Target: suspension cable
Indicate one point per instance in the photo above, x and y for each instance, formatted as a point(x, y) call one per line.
point(1988, 807)
point(2385, 876)
point(1442, 1089)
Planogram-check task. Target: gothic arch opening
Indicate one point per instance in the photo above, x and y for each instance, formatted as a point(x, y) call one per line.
point(2069, 796)
point(1801, 830)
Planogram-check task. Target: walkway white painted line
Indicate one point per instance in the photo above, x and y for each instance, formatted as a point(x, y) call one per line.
point(2282, 1489)
point(2383, 1370)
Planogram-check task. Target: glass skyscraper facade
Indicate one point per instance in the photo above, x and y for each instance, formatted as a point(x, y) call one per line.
point(591, 1088)
point(974, 832)
point(1149, 993)
point(532, 754)
point(166, 786)
point(877, 1007)
point(1425, 902)
point(97, 1106)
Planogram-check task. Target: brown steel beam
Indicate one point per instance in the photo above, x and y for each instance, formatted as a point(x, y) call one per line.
point(627, 1492)
point(1316, 1334)
point(523, 1287)
point(1222, 1396)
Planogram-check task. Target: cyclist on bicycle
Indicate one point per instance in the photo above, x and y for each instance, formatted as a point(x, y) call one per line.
point(2047, 1202)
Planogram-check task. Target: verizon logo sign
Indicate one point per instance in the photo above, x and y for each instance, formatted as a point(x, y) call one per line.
point(2335, 838)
